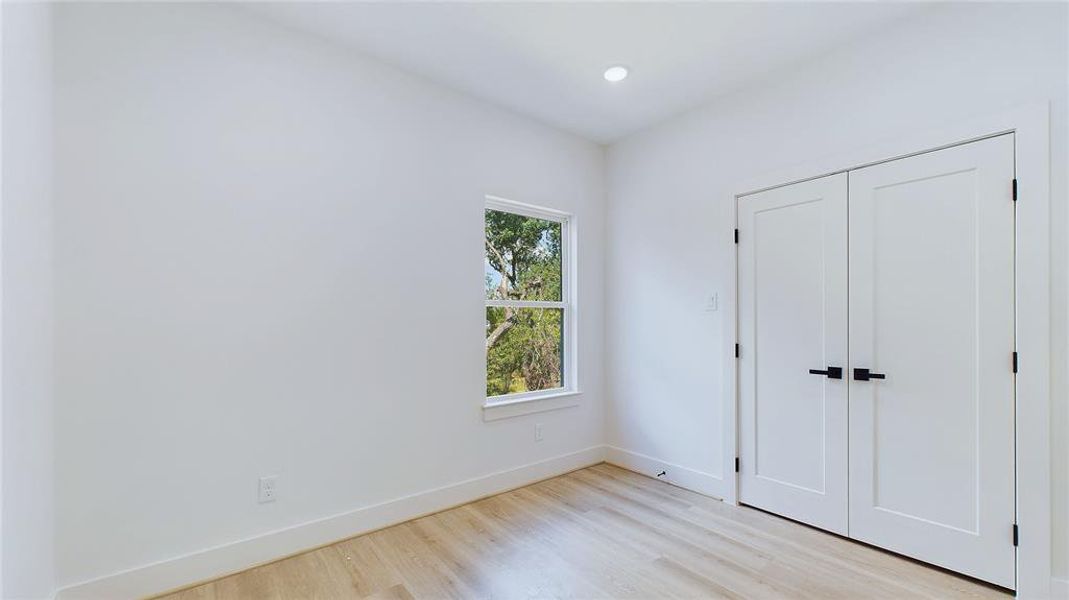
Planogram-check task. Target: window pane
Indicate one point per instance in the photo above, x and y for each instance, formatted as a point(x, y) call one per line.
point(523, 257)
point(524, 349)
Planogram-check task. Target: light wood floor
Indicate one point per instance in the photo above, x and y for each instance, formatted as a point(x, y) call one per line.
point(601, 532)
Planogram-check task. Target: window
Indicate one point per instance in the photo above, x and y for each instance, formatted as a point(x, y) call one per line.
point(528, 303)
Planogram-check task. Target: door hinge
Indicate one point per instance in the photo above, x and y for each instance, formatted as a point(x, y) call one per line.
point(1016, 534)
point(736, 464)
point(1014, 361)
point(1015, 189)
point(737, 235)
point(736, 350)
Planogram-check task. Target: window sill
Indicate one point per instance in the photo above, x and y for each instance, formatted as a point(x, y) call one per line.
point(505, 409)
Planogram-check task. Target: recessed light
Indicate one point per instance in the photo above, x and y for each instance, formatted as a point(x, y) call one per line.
point(616, 73)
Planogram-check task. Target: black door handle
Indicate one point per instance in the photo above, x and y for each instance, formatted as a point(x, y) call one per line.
point(865, 375)
point(831, 372)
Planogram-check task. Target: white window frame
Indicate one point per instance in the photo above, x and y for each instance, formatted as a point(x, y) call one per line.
point(526, 402)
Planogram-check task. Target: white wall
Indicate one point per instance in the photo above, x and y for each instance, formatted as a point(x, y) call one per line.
point(670, 214)
point(26, 300)
point(269, 261)
point(27, 514)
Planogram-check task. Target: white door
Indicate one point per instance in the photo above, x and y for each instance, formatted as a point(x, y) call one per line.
point(792, 320)
point(932, 313)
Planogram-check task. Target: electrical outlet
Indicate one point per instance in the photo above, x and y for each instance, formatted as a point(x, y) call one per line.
point(267, 488)
point(538, 432)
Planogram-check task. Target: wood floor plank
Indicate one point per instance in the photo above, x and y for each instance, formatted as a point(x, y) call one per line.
point(601, 532)
point(815, 550)
point(696, 541)
point(371, 574)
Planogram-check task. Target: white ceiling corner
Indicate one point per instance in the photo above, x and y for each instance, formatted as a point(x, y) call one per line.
point(546, 60)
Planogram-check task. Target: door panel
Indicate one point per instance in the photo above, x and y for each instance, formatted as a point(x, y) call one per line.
point(932, 308)
point(792, 318)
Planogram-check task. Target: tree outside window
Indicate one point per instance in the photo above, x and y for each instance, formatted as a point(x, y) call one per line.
point(525, 303)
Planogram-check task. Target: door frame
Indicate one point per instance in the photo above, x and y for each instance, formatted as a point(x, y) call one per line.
point(1031, 125)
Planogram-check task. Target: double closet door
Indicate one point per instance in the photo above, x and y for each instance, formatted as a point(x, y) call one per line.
point(876, 385)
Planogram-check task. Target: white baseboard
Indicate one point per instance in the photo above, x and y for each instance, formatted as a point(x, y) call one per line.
point(684, 477)
point(236, 556)
point(1059, 588)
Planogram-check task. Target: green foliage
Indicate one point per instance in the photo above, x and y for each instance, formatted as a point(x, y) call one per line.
point(524, 257)
point(528, 355)
point(524, 348)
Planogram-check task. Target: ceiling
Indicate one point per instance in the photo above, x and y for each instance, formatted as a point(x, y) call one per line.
point(546, 60)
